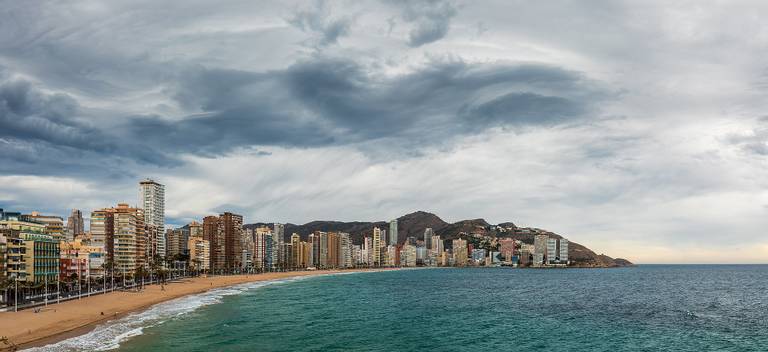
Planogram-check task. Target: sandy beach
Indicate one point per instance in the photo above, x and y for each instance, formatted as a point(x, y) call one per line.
point(72, 318)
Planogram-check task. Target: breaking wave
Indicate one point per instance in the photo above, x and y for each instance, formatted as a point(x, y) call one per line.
point(110, 335)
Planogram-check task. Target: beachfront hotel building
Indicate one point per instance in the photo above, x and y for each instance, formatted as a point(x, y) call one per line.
point(129, 239)
point(152, 201)
point(122, 234)
point(102, 227)
point(31, 254)
point(224, 233)
point(199, 253)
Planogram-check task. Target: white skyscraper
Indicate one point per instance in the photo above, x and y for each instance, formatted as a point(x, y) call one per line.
point(152, 200)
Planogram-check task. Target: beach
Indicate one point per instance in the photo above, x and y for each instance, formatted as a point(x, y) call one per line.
point(56, 322)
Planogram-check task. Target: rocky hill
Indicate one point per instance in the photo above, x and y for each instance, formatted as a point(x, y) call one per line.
point(414, 224)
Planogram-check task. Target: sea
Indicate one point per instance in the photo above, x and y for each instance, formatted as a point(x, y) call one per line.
point(643, 308)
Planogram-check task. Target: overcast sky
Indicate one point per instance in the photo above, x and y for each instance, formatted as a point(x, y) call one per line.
point(638, 129)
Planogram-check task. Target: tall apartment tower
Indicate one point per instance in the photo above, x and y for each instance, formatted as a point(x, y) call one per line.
point(376, 247)
point(120, 231)
point(428, 233)
point(152, 200)
point(231, 226)
point(278, 238)
point(75, 225)
point(393, 232)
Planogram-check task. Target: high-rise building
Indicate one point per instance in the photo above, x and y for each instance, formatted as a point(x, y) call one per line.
point(177, 241)
point(232, 226)
point(460, 252)
point(428, 233)
point(75, 225)
point(122, 234)
point(199, 253)
point(334, 256)
point(323, 258)
point(225, 235)
point(437, 245)
point(408, 255)
point(152, 200)
point(345, 251)
point(539, 249)
point(296, 251)
point(384, 241)
point(3, 253)
point(278, 239)
point(306, 251)
point(392, 256)
point(377, 244)
point(195, 229)
point(129, 239)
point(507, 249)
point(366, 252)
point(563, 250)
point(215, 241)
point(314, 250)
point(557, 251)
point(102, 228)
point(393, 232)
point(262, 256)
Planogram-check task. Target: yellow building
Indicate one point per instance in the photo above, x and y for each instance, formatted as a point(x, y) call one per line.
point(199, 253)
point(32, 255)
point(54, 225)
point(460, 252)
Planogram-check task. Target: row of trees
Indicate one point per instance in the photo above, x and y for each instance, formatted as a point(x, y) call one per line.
point(159, 270)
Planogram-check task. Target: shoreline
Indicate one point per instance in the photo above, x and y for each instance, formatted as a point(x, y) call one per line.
point(58, 322)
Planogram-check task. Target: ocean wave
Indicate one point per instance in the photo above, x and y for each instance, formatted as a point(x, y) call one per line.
point(110, 335)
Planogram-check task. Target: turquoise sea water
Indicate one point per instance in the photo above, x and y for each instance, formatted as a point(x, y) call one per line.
point(646, 308)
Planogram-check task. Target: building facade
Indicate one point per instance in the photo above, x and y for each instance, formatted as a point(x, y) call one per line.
point(152, 201)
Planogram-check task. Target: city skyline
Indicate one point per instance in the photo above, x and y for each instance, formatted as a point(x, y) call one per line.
point(637, 128)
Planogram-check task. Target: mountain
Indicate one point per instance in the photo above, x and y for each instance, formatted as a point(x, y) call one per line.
point(414, 224)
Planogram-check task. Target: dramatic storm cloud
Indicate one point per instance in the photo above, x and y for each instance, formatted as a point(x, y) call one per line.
point(638, 129)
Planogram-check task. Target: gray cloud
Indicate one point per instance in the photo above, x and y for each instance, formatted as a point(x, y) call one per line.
point(318, 19)
point(431, 20)
point(43, 132)
point(325, 101)
point(754, 142)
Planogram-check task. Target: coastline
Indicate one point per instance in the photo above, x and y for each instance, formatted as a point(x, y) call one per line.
point(58, 322)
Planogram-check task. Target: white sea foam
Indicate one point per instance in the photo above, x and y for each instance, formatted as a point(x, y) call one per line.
point(110, 335)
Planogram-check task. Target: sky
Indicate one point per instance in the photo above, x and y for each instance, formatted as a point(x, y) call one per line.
point(636, 128)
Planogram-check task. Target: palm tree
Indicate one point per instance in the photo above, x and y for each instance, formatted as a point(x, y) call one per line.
point(154, 265)
point(5, 285)
point(108, 266)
